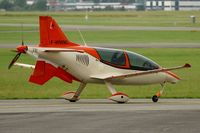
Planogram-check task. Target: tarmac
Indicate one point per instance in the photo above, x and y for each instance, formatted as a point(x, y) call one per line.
point(106, 28)
point(126, 45)
point(100, 116)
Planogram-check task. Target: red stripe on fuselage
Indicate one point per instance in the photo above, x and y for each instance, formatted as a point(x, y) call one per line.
point(88, 50)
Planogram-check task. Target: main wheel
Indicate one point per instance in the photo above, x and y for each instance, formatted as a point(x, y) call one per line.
point(155, 98)
point(72, 101)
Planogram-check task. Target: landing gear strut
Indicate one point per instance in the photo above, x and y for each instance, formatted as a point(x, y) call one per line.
point(159, 93)
point(118, 97)
point(74, 96)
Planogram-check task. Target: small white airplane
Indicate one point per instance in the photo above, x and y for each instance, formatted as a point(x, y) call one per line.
point(58, 57)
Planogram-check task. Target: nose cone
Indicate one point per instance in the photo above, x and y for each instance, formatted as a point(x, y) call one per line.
point(171, 77)
point(22, 49)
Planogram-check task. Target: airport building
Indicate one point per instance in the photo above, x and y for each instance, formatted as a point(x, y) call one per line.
point(167, 5)
point(94, 4)
point(170, 5)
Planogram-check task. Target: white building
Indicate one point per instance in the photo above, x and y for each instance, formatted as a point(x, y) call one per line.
point(166, 5)
point(88, 4)
point(189, 5)
point(173, 5)
point(30, 2)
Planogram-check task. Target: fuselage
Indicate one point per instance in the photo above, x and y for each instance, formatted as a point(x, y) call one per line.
point(104, 62)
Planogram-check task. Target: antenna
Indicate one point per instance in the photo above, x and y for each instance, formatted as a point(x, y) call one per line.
point(86, 14)
point(22, 33)
point(82, 37)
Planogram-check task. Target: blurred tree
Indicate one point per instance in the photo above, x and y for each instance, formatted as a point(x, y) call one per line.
point(40, 5)
point(6, 4)
point(20, 3)
point(96, 1)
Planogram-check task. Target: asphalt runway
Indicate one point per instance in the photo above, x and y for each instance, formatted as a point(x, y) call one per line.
point(100, 116)
point(126, 45)
point(106, 28)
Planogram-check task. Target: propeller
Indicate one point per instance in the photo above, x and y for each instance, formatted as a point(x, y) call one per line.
point(14, 60)
point(20, 49)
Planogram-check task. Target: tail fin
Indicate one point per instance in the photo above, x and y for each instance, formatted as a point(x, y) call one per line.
point(51, 35)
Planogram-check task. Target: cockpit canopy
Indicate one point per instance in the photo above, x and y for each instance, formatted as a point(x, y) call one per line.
point(139, 62)
point(128, 60)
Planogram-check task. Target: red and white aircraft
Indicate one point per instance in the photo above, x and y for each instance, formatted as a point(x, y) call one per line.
point(59, 57)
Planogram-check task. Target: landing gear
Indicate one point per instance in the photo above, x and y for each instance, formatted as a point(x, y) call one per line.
point(155, 98)
point(74, 96)
point(158, 94)
point(118, 97)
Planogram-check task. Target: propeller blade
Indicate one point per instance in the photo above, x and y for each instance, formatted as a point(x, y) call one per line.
point(14, 60)
point(14, 50)
point(22, 34)
point(22, 42)
point(20, 49)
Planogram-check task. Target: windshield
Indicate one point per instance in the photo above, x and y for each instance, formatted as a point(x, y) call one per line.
point(110, 56)
point(139, 62)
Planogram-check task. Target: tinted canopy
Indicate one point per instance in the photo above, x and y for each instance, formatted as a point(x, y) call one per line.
point(113, 57)
point(119, 58)
point(139, 62)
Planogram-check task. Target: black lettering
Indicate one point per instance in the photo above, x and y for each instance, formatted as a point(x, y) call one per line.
point(59, 42)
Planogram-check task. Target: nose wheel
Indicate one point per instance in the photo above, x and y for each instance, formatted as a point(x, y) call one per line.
point(158, 94)
point(155, 98)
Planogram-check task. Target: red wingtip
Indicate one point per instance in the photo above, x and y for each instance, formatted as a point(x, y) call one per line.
point(187, 65)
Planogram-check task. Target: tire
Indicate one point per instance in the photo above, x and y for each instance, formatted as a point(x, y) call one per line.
point(72, 101)
point(155, 98)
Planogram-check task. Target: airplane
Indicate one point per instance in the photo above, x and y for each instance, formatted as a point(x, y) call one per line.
point(57, 56)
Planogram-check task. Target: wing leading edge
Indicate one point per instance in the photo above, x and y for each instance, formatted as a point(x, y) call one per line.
point(111, 76)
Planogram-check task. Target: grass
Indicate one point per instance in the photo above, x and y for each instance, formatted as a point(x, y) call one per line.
point(12, 34)
point(113, 37)
point(127, 18)
point(14, 83)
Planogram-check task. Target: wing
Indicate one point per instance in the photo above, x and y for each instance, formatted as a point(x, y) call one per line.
point(65, 50)
point(115, 76)
point(60, 50)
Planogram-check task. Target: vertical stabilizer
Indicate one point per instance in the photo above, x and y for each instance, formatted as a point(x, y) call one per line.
point(51, 34)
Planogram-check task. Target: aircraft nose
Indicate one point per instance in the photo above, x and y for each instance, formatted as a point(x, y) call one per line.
point(22, 49)
point(171, 77)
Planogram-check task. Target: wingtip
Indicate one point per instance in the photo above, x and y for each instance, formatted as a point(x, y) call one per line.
point(187, 65)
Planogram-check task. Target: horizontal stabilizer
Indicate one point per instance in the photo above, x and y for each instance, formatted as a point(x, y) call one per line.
point(22, 65)
point(44, 71)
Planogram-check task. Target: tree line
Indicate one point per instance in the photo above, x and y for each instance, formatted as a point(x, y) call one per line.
point(21, 5)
